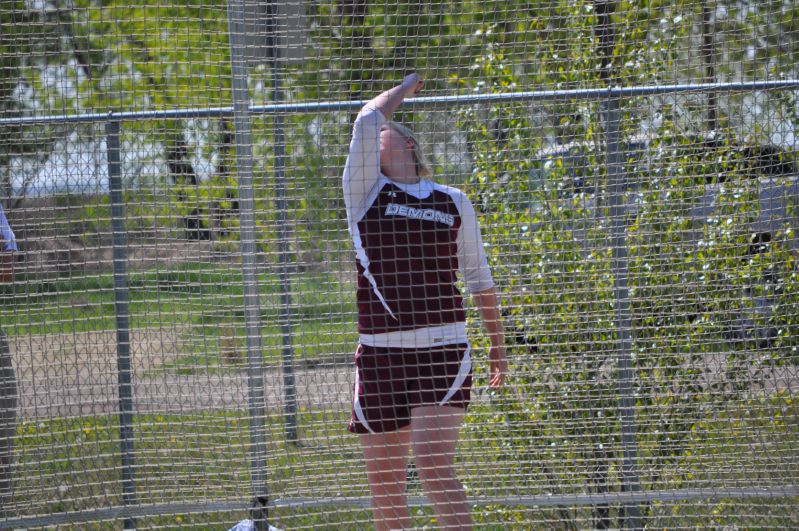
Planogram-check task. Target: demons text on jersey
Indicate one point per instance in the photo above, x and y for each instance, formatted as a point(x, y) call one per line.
point(427, 214)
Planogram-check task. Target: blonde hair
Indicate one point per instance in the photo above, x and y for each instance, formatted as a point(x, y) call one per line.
point(423, 168)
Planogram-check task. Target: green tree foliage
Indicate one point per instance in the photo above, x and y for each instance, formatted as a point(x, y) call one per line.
point(17, 39)
point(711, 317)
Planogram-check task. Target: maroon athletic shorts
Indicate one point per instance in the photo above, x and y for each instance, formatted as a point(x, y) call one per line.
point(390, 382)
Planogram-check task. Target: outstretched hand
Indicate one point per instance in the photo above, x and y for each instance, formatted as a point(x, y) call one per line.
point(412, 85)
point(388, 101)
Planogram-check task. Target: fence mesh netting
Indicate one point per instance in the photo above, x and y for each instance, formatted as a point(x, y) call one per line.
point(179, 314)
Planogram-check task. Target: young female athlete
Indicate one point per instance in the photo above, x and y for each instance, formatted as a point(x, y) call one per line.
point(413, 364)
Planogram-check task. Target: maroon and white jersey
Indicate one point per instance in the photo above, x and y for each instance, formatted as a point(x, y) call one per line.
point(410, 242)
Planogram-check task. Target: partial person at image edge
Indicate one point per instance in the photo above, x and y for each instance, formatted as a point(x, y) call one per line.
point(8, 246)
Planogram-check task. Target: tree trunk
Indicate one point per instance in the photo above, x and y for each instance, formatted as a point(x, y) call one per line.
point(356, 44)
point(181, 173)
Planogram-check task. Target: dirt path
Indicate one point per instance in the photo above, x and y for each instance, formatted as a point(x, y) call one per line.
point(63, 375)
point(75, 374)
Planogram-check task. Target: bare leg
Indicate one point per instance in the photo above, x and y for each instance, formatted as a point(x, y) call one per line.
point(386, 456)
point(434, 436)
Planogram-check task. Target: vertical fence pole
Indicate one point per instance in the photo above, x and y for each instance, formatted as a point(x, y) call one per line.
point(279, 136)
point(122, 312)
point(9, 403)
point(252, 310)
point(621, 303)
point(605, 32)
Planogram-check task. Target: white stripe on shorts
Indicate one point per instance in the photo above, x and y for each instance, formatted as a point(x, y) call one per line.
point(463, 372)
point(356, 405)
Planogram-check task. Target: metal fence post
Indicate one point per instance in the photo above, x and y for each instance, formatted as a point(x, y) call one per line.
point(621, 302)
point(9, 403)
point(252, 310)
point(279, 137)
point(121, 310)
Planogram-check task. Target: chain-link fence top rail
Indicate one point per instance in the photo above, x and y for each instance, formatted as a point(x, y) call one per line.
point(177, 339)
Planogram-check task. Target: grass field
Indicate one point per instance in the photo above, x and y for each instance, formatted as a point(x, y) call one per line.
point(204, 299)
point(74, 464)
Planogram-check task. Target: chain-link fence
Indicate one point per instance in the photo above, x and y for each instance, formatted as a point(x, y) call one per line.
point(178, 332)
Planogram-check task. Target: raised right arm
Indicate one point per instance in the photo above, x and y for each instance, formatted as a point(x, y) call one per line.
point(362, 170)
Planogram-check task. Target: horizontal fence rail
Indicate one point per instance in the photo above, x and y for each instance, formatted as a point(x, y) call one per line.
point(420, 102)
point(413, 501)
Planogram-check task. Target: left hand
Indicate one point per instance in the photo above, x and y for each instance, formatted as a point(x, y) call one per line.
point(497, 366)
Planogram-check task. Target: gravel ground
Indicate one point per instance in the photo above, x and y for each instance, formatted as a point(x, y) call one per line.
point(62, 375)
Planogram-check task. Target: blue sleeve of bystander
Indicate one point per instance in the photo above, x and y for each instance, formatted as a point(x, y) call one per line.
point(7, 239)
